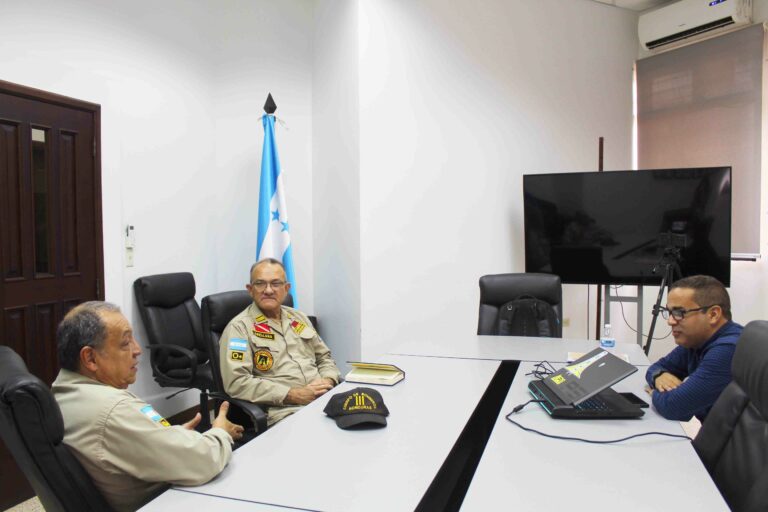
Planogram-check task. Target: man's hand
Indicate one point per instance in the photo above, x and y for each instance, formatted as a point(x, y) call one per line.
point(307, 394)
point(191, 424)
point(221, 421)
point(666, 382)
point(322, 383)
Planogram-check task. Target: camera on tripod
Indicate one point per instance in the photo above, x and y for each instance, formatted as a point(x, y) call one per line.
point(671, 245)
point(670, 240)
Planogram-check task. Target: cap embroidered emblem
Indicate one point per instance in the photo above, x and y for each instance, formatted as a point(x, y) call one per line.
point(359, 401)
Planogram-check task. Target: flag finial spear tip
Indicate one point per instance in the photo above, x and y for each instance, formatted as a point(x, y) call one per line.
point(270, 106)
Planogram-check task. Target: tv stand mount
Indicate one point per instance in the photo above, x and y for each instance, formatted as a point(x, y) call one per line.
point(637, 299)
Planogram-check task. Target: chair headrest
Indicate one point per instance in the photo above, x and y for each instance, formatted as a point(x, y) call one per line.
point(223, 307)
point(498, 289)
point(750, 364)
point(18, 386)
point(165, 290)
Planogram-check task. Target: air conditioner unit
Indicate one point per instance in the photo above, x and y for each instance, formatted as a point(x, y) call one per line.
point(689, 20)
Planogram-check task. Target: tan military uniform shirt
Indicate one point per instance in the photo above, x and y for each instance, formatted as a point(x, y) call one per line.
point(261, 359)
point(129, 450)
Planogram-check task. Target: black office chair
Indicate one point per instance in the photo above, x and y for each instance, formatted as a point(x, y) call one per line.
point(177, 351)
point(498, 289)
point(733, 440)
point(217, 311)
point(32, 428)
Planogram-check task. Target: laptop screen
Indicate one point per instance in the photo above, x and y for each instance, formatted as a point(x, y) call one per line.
point(587, 376)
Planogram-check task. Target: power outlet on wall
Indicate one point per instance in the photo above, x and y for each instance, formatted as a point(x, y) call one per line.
point(130, 244)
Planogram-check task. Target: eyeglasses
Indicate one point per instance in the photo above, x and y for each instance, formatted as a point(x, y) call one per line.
point(680, 313)
point(262, 285)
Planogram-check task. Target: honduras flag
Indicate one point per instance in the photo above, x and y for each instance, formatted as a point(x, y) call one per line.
point(274, 238)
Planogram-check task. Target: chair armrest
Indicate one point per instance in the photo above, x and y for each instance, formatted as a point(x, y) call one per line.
point(254, 411)
point(161, 350)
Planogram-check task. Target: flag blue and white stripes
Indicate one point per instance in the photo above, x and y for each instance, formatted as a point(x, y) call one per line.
point(274, 237)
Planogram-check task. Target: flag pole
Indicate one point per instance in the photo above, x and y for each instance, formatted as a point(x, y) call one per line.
point(273, 234)
point(270, 106)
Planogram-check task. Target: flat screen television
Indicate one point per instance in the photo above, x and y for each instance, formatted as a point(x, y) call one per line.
point(613, 227)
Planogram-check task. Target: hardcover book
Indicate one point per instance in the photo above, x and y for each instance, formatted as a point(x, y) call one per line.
point(374, 373)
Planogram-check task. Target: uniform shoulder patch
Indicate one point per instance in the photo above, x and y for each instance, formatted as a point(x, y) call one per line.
point(238, 344)
point(298, 326)
point(237, 348)
point(153, 415)
point(263, 331)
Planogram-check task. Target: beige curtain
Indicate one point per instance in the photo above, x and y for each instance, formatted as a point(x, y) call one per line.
point(701, 106)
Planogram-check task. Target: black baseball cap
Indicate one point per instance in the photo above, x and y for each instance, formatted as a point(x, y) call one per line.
point(357, 407)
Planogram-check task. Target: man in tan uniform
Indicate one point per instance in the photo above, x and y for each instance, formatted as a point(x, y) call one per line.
point(129, 450)
point(270, 354)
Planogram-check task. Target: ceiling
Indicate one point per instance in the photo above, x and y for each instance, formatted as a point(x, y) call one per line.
point(635, 5)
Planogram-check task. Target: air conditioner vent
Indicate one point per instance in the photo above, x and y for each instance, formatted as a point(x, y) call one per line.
point(686, 21)
point(685, 34)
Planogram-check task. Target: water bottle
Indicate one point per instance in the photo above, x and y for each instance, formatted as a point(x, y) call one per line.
point(606, 341)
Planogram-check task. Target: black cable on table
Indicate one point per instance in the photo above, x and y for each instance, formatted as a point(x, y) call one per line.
point(591, 441)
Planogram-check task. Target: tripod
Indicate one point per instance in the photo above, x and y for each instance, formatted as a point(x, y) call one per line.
point(670, 262)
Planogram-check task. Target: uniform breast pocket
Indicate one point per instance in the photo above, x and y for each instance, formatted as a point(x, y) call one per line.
point(306, 345)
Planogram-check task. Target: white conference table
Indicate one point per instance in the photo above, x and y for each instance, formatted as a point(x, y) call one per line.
point(526, 471)
point(308, 463)
point(510, 348)
point(181, 499)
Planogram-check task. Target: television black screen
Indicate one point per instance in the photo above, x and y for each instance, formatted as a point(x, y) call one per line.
point(614, 227)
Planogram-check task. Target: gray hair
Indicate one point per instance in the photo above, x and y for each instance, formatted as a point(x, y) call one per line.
point(265, 261)
point(81, 327)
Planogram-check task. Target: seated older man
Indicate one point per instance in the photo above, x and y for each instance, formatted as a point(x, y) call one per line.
point(270, 354)
point(129, 450)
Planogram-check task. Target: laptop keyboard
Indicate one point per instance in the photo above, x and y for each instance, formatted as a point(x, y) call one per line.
point(593, 404)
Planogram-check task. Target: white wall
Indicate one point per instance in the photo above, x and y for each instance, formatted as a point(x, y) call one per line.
point(176, 79)
point(453, 110)
point(261, 47)
point(336, 176)
point(150, 77)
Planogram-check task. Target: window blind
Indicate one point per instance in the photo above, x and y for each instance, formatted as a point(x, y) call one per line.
point(701, 106)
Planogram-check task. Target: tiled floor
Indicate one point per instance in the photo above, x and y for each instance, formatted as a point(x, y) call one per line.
point(31, 505)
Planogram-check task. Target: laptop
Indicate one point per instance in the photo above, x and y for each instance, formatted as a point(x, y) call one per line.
point(582, 389)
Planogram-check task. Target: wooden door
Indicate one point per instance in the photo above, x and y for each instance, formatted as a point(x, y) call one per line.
point(50, 230)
